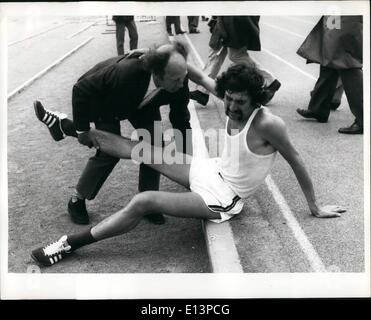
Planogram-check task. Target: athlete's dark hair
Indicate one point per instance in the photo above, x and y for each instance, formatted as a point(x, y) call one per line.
point(241, 78)
point(156, 61)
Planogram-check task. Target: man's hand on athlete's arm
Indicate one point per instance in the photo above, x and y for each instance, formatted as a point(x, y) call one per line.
point(275, 132)
point(136, 53)
point(87, 138)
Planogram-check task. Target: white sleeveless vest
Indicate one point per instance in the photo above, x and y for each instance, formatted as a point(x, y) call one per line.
point(242, 169)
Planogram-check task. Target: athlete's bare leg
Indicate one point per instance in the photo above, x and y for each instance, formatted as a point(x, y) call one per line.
point(185, 205)
point(121, 147)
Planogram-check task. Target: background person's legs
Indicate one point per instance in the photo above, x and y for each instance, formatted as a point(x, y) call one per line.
point(336, 99)
point(215, 61)
point(212, 67)
point(169, 21)
point(353, 86)
point(323, 93)
point(133, 34)
point(120, 37)
point(271, 85)
point(177, 27)
point(193, 24)
point(241, 55)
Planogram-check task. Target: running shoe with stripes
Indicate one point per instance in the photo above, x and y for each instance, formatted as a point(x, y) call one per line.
point(51, 119)
point(52, 253)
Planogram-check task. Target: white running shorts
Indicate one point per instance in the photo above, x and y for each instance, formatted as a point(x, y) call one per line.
point(206, 181)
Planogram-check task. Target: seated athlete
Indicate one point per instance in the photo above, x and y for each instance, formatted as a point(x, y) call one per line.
point(217, 185)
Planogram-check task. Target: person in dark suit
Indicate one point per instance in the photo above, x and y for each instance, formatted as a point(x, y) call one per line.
point(338, 50)
point(235, 35)
point(114, 90)
point(123, 22)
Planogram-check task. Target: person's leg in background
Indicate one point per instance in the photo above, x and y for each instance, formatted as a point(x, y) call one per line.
point(169, 21)
point(338, 94)
point(120, 37)
point(178, 29)
point(271, 84)
point(193, 24)
point(353, 86)
point(93, 177)
point(133, 34)
point(321, 96)
point(241, 56)
point(212, 67)
point(336, 99)
point(215, 61)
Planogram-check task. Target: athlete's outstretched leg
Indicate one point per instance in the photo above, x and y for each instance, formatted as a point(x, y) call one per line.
point(186, 205)
point(120, 147)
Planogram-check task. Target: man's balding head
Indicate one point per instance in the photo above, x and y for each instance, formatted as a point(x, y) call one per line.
point(168, 64)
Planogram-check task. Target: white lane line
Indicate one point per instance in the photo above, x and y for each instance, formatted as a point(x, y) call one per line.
point(283, 30)
point(308, 249)
point(42, 72)
point(36, 34)
point(314, 259)
point(81, 30)
point(220, 243)
point(289, 64)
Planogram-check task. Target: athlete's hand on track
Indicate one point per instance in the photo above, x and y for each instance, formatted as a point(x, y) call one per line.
point(329, 211)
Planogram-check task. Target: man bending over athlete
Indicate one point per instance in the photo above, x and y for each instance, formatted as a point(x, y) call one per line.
point(217, 185)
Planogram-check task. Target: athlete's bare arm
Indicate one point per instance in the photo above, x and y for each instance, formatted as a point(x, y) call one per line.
point(273, 129)
point(199, 77)
point(194, 74)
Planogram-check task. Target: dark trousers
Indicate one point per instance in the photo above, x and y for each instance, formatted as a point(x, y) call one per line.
point(326, 88)
point(338, 94)
point(120, 35)
point(193, 22)
point(173, 20)
point(101, 164)
point(336, 99)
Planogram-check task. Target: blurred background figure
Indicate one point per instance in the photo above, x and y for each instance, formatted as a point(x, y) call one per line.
point(234, 35)
point(336, 44)
point(173, 20)
point(193, 24)
point(123, 22)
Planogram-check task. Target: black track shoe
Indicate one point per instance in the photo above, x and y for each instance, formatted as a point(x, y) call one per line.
point(51, 119)
point(52, 253)
point(270, 91)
